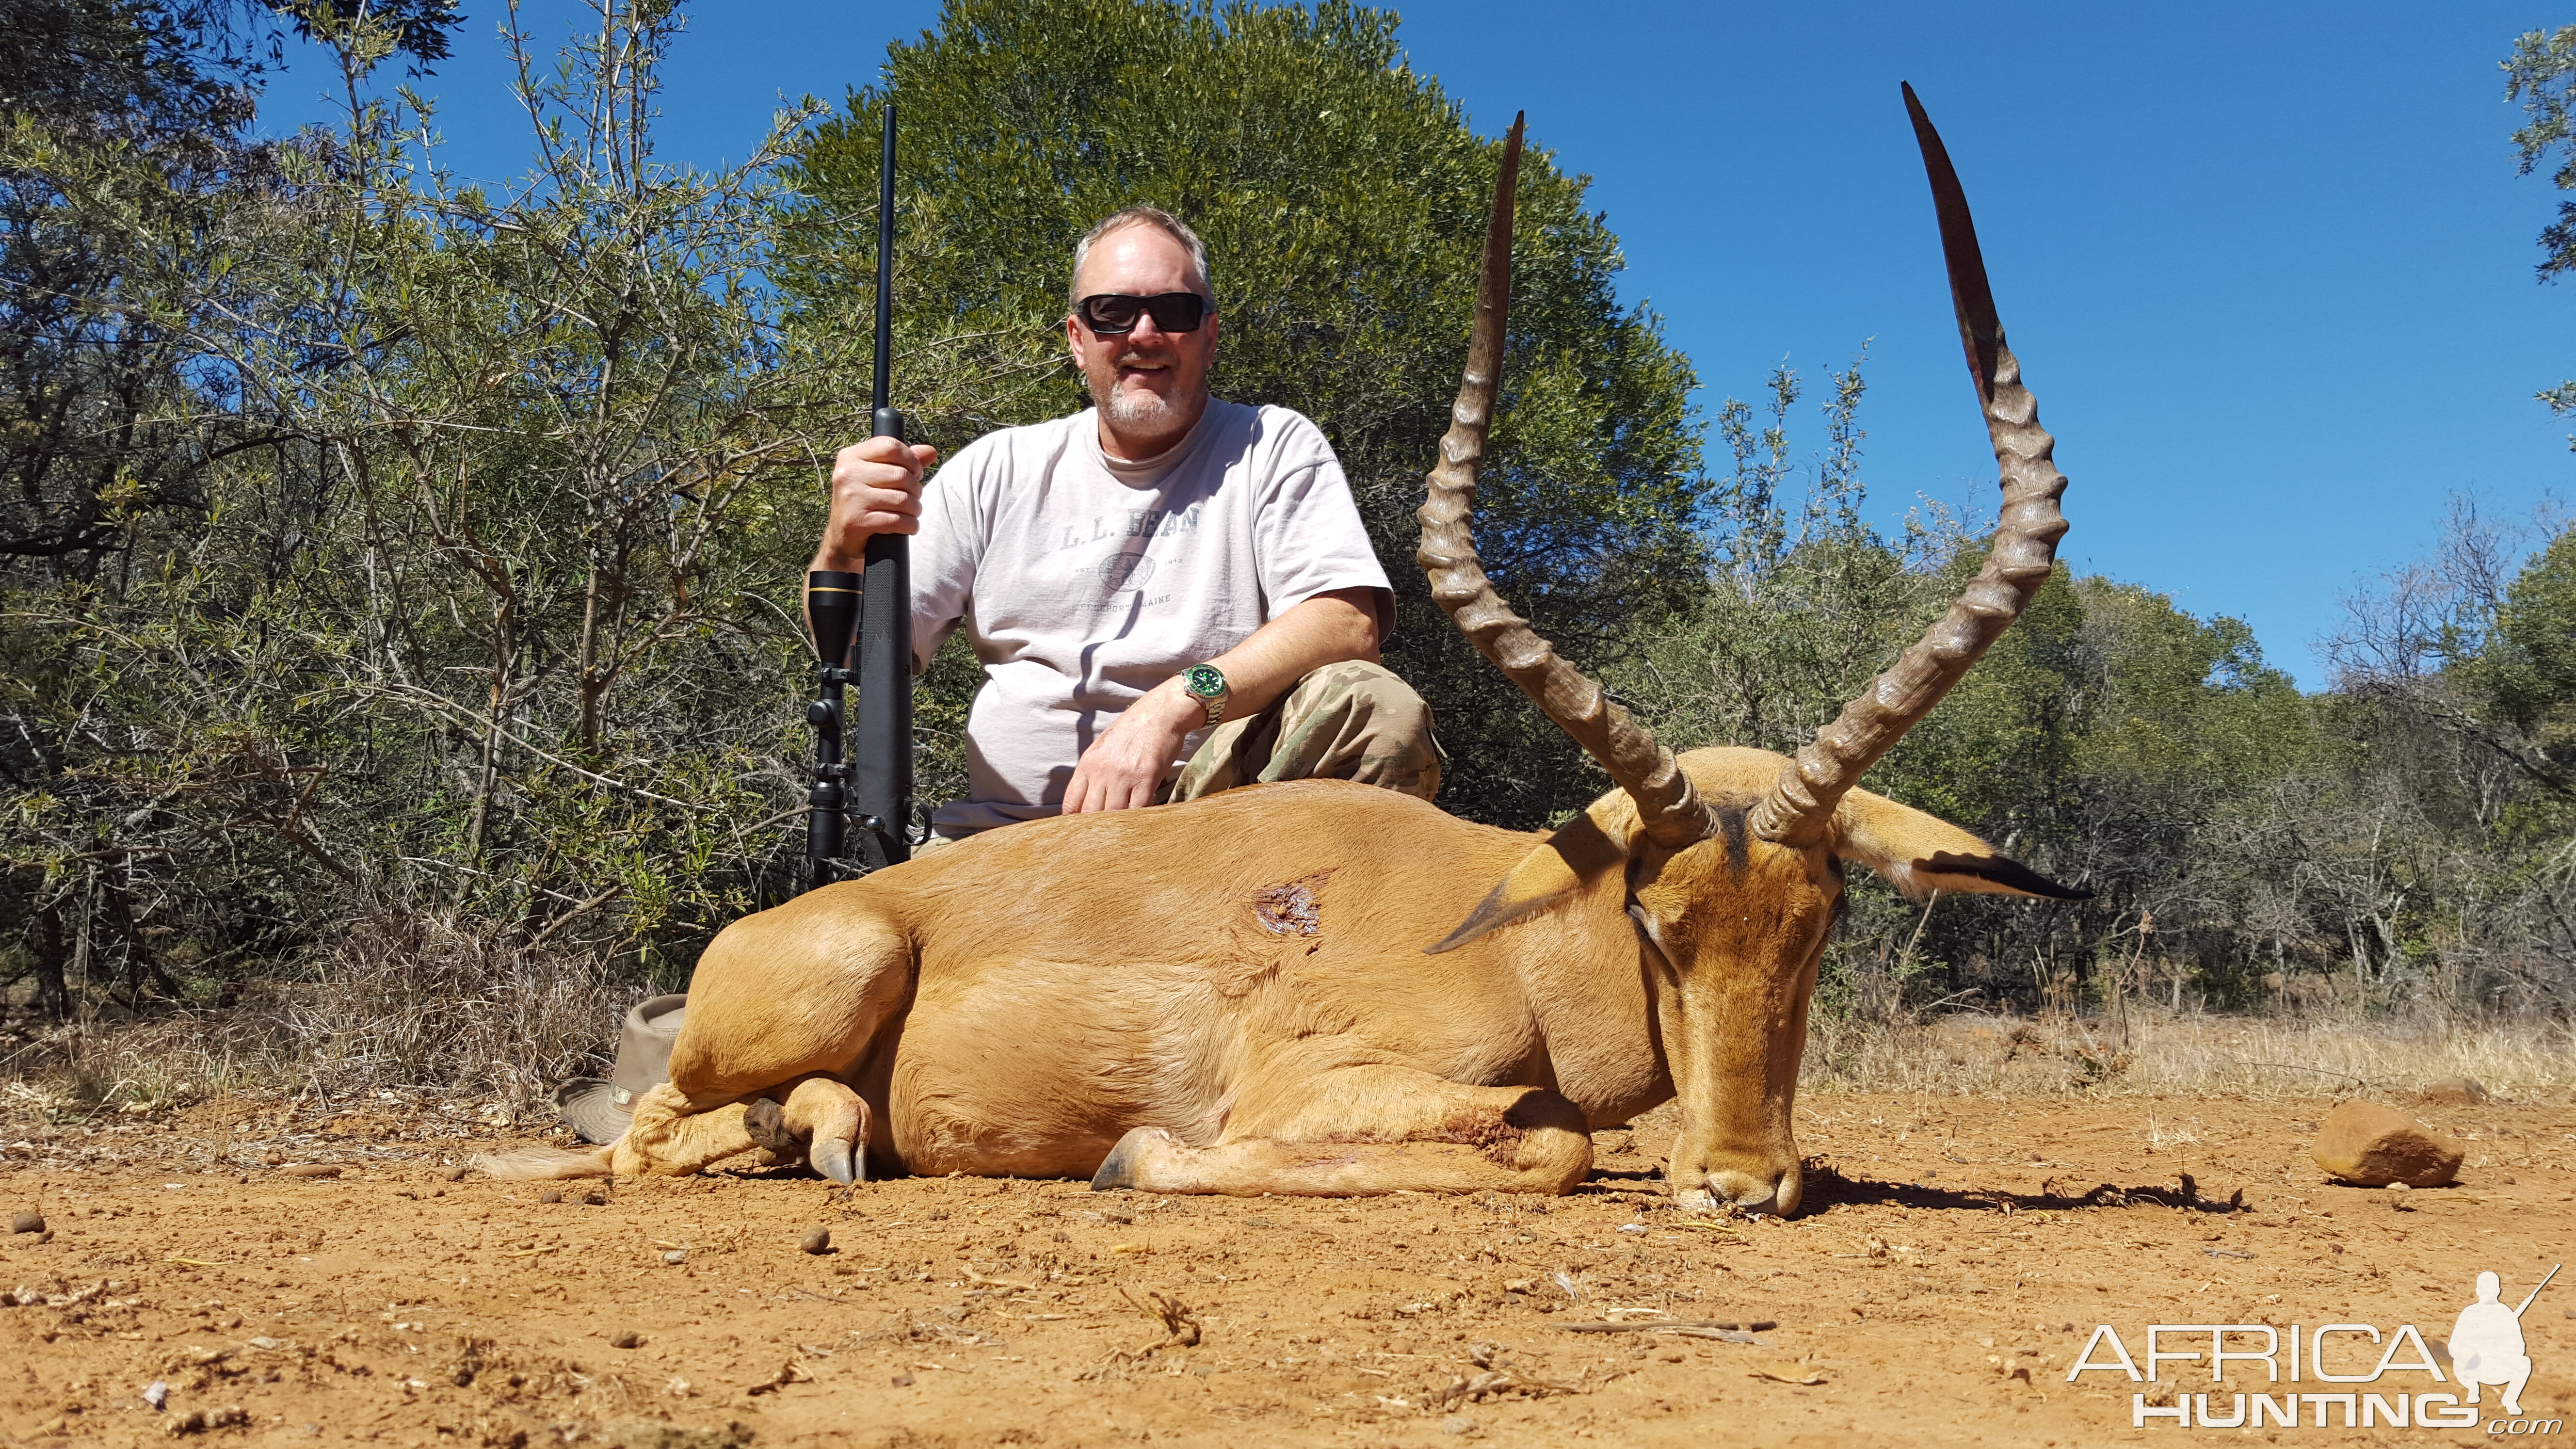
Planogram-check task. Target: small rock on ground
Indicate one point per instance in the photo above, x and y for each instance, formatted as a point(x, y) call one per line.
point(2455, 1092)
point(816, 1240)
point(2370, 1145)
point(1457, 1424)
point(27, 1222)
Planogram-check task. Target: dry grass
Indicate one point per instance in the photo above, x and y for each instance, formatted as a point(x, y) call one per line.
point(411, 1002)
point(417, 1004)
point(2190, 1056)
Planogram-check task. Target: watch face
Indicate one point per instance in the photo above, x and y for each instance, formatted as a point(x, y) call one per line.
point(1205, 681)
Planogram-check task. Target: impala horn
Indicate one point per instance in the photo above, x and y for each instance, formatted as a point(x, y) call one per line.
point(1671, 811)
point(1801, 804)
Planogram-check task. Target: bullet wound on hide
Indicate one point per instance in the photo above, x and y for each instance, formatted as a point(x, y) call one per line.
point(1292, 907)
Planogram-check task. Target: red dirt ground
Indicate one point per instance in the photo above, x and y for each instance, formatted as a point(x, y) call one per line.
point(1948, 1269)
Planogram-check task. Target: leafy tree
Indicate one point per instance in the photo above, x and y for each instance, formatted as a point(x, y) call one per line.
point(121, 146)
point(2528, 667)
point(2541, 73)
point(467, 620)
point(414, 28)
point(121, 137)
point(1342, 199)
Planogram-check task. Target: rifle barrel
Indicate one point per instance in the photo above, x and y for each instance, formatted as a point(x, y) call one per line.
point(2536, 1287)
point(881, 743)
point(878, 395)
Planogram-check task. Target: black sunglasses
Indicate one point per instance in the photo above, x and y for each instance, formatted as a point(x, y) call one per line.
point(1112, 314)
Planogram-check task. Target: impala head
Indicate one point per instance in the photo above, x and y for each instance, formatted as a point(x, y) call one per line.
point(1733, 858)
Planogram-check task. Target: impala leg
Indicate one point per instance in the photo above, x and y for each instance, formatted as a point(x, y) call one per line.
point(670, 1140)
point(1363, 1131)
point(783, 1006)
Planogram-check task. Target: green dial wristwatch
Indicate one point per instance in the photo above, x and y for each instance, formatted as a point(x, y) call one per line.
point(1206, 684)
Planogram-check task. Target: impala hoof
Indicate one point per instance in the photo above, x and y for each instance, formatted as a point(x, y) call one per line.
point(833, 1158)
point(1735, 1192)
point(1121, 1168)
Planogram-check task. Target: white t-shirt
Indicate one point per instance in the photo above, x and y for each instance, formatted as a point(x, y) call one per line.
point(1084, 581)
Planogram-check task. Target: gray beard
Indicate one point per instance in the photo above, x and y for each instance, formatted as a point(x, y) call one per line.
point(1131, 409)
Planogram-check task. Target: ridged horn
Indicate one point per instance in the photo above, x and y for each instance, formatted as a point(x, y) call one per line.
point(1801, 803)
point(1672, 812)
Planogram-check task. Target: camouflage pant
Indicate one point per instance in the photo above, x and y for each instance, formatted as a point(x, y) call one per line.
point(1349, 721)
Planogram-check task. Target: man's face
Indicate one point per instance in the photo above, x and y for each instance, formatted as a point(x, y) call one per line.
point(1147, 382)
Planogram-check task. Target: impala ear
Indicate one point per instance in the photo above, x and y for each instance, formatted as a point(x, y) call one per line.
point(1920, 853)
point(1564, 864)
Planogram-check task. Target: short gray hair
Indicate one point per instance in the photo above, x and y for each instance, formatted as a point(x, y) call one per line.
point(1155, 217)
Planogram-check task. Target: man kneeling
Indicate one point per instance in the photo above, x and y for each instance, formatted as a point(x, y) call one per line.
point(1171, 594)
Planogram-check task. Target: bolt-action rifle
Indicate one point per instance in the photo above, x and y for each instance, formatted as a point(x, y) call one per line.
point(875, 783)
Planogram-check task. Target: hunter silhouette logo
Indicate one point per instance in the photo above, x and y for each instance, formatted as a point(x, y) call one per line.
point(2486, 1344)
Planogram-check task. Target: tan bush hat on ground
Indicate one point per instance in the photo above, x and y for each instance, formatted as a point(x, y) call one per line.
point(601, 1111)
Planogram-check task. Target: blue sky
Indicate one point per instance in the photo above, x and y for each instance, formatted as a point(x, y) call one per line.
point(2268, 268)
